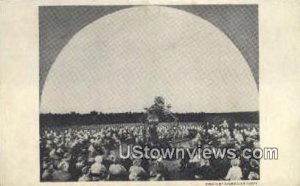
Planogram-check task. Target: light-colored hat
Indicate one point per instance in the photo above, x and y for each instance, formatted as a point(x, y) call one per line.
point(116, 169)
point(98, 159)
point(63, 165)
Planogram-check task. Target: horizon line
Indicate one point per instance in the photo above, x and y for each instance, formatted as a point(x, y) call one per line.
point(144, 112)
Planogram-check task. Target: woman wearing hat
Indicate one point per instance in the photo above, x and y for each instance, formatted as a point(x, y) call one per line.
point(235, 172)
point(62, 173)
point(98, 170)
point(136, 171)
point(117, 171)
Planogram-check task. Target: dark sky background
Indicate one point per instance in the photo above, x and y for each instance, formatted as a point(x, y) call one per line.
point(58, 24)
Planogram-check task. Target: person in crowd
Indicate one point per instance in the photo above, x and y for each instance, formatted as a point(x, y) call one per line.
point(116, 170)
point(235, 172)
point(90, 154)
point(62, 174)
point(85, 175)
point(98, 170)
point(136, 171)
point(157, 170)
point(47, 173)
point(253, 176)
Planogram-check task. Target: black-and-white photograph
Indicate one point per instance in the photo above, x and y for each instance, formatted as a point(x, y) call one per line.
point(149, 93)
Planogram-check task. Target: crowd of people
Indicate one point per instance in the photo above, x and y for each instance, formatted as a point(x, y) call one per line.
point(91, 154)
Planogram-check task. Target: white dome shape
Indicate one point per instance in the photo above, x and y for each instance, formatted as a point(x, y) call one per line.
point(120, 62)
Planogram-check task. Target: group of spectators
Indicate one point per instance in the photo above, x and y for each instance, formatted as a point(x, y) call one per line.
point(91, 154)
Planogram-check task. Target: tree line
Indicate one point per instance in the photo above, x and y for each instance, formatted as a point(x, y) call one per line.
point(73, 118)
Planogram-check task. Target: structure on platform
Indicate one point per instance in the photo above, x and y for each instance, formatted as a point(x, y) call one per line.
point(156, 113)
